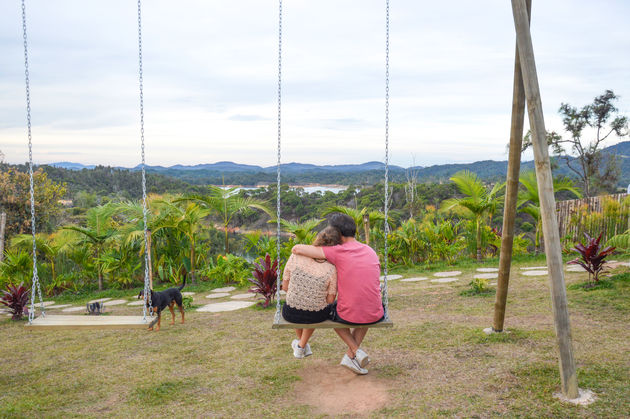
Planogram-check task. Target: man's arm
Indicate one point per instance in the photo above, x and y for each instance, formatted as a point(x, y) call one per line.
point(315, 252)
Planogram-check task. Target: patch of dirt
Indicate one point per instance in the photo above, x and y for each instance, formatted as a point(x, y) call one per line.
point(334, 390)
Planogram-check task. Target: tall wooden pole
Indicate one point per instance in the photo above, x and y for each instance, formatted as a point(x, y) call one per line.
point(551, 234)
point(511, 191)
point(3, 223)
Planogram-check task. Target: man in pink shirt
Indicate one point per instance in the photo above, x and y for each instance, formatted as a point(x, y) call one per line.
point(358, 286)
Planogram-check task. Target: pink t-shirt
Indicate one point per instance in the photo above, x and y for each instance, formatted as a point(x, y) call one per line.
point(358, 284)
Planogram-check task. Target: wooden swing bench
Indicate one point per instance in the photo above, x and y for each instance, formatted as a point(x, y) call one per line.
point(326, 324)
point(85, 322)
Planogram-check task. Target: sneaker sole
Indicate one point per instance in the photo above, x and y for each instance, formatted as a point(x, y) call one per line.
point(353, 370)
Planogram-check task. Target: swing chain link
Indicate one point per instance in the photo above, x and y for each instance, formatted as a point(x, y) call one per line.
point(278, 277)
point(147, 289)
point(385, 291)
point(35, 286)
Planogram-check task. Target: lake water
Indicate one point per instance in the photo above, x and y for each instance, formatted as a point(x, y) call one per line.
point(307, 189)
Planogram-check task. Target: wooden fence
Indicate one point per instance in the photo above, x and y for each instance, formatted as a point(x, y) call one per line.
point(607, 214)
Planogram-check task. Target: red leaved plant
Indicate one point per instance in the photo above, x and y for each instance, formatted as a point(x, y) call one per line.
point(591, 257)
point(265, 276)
point(16, 299)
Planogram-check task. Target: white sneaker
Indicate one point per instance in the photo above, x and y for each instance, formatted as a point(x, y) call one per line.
point(362, 358)
point(297, 351)
point(307, 350)
point(352, 365)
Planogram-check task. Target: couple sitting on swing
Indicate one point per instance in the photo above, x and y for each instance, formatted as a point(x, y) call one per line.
point(336, 264)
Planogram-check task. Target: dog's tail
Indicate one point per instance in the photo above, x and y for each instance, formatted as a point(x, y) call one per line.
point(183, 284)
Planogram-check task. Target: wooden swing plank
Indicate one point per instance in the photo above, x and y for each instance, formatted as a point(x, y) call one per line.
point(61, 322)
point(327, 324)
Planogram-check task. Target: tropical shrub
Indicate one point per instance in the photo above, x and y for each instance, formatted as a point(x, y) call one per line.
point(591, 257)
point(16, 299)
point(265, 276)
point(229, 269)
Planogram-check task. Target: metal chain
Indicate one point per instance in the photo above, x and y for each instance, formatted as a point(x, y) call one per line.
point(385, 291)
point(278, 278)
point(35, 286)
point(147, 288)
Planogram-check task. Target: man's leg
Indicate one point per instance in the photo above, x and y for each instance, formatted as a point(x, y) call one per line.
point(358, 334)
point(348, 338)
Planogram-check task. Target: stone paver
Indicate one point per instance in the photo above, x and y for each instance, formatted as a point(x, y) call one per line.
point(535, 273)
point(390, 277)
point(447, 274)
point(58, 306)
point(225, 306)
point(73, 309)
point(224, 289)
point(188, 293)
point(243, 296)
point(46, 303)
point(99, 300)
point(114, 302)
point(536, 268)
point(444, 280)
point(218, 295)
point(416, 279)
point(575, 268)
point(136, 303)
point(486, 276)
point(487, 269)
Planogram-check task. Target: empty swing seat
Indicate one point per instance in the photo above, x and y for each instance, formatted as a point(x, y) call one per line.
point(61, 322)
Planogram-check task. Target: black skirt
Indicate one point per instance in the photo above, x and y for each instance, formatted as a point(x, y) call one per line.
point(295, 315)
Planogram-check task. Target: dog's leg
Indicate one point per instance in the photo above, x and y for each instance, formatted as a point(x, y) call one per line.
point(154, 309)
point(159, 321)
point(181, 310)
point(170, 307)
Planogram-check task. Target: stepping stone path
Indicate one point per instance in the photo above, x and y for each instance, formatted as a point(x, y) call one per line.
point(136, 303)
point(486, 276)
point(420, 278)
point(225, 306)
point(444, 280)
point(447, 274)
point(535, 273)
point(390, 277)
point(224, 289)
point(73, 309)
point(529, 268)
point(59, 306)
point(114, 303)
point(575, 268)
point(218, 295)
point(492, 283)
point(188, 293)
point(243, 296)
point(100, 300)
point(487, 269)
point(46, 303)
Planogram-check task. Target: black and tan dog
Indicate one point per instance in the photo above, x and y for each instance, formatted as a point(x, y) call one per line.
point(167, 298)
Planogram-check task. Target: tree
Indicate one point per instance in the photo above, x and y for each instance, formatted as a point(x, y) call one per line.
point(363, 218)
point(304, 232)
point(226, 203)
point(595, 170)
point(411, 192)
point(478, 202)
point(529, 195)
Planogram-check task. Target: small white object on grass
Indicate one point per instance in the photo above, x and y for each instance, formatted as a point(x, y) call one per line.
point(447, 274)
point(535, 273)
point(218, 295)
point(487, 269)
point(224, 289)
point(486, 276)
point(444, 280)
point(243, 296)
point(420, 278)
point(225, 306)
point(585, 397)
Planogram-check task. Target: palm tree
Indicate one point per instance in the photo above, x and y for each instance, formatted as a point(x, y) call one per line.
point(48, 246)
point(363, 218)
point(303, 231)
point(226, 203)
point(530, 196)
point(99, 231)
point(477, 202)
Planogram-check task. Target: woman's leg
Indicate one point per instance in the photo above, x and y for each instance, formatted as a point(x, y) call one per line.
point(298, 332)
point(306, 335)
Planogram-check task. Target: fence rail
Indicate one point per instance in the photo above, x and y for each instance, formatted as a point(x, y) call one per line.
point(606, 214)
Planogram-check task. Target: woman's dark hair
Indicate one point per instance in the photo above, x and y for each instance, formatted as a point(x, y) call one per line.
point(344, 223)
point(329, 236)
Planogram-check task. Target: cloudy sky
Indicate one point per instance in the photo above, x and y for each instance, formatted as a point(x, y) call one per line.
point(210, 78)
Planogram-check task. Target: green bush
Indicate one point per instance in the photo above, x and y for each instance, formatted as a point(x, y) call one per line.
point(229, 269)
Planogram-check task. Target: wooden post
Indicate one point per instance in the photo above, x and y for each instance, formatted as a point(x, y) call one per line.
point(366, 228)
point(150, 265)
point(551, 235)
point(3, 223)
point(511, 191)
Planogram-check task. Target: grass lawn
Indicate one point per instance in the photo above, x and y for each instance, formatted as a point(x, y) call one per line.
point(435, 362)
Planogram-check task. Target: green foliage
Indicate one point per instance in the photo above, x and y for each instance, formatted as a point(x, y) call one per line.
point(17, 267)
point(187, 302)
point(229, 269)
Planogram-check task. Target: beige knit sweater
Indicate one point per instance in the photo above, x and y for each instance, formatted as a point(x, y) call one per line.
point(309, 282)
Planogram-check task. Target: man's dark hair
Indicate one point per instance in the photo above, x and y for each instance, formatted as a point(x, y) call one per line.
point(344, 223)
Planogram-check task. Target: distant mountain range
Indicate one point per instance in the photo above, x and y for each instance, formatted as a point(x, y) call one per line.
point(365, 173)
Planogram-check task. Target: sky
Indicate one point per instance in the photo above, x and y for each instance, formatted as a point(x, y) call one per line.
point(210, 78)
